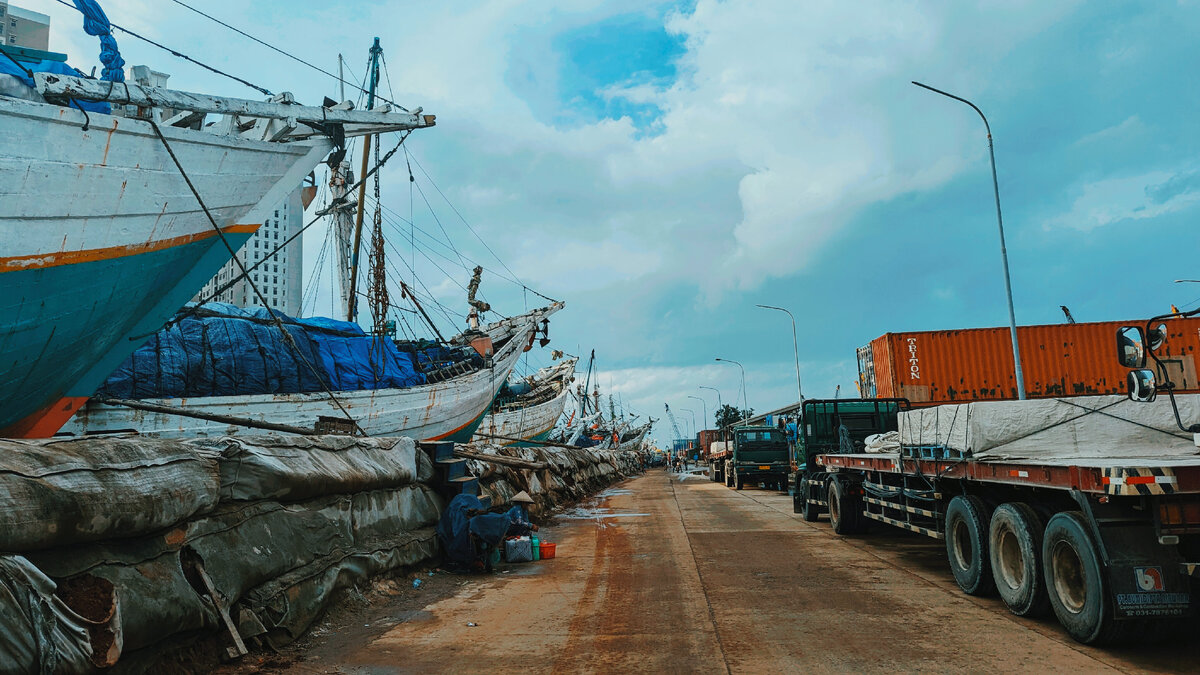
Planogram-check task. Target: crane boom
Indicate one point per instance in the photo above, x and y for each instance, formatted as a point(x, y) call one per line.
point(674, 424)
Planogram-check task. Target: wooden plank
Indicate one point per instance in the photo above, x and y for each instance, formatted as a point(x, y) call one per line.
point(516, 462)
point(63, 87)
point(239, 648)
point(212, 417)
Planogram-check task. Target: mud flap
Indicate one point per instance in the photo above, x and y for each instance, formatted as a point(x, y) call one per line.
point(1143, 575)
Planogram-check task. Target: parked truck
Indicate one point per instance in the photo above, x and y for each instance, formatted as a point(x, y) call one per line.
point(718, 452)
point(829, 427)
point(759, 455)
point(1086, 507)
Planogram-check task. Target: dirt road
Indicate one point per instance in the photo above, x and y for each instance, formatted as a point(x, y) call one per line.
point(663, 575)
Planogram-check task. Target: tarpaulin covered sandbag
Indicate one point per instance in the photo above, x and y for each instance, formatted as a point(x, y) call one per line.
point(294, 468)
point(288, 605)
point(241, 546)
point(1067, 428)
point(54, 493)
point(39, 632)
point(380, 512)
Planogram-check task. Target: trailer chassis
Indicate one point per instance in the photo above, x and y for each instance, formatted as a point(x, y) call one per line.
point(1112, 548)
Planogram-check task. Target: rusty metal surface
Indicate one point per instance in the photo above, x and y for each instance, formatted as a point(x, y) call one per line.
point(934, 367)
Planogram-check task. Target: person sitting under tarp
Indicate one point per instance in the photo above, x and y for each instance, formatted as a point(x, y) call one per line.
point(519, 523)
point(469, 533)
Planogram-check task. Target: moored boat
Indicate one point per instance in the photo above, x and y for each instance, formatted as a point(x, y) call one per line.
point(449, 408)
point(85, 279)
point(531, 408)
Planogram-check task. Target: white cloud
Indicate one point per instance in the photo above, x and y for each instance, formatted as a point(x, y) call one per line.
point(1128, 127)
point(1112, 200)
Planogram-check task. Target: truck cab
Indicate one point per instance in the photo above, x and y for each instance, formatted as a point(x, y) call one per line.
point(760, 455)
point(835, 426)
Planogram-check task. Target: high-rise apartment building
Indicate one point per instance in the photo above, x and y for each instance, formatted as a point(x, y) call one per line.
point(279, 279)
point(23, 28)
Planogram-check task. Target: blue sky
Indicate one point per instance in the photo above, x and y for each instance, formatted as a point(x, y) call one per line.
point(664, 168)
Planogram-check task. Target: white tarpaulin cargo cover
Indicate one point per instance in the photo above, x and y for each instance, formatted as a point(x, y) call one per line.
point(1084, 427)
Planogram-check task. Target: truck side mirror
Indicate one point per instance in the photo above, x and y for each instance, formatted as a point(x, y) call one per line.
point(1157, 336)
point(1131, 347)
point(1142, 385)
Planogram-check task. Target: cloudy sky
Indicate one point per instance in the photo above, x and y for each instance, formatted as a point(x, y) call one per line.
point(663, 167)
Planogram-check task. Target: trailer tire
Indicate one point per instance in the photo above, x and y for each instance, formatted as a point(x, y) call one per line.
point(811, 511)
point(1015, 549)
point(967, 545)
point(1075, 581)
point(845, 510)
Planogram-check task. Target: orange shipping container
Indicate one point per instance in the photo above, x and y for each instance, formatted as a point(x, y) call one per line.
point(976, 364)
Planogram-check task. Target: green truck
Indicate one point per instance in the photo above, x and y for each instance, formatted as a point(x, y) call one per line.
point(760, 455)
point(836, 426)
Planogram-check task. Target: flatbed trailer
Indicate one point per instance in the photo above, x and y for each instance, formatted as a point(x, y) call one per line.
point(1111, 546)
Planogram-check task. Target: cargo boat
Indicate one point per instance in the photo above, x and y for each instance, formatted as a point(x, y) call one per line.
point(84, 281)
point(450, 408)
point(529, 417)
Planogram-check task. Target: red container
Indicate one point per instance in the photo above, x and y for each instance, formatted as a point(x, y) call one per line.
point(955, 366)
point(705, 439)
point(546, 550)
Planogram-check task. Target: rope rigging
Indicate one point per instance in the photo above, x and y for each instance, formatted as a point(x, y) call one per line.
point(287, 337)
point(181, 55)
point(285, 53)
point(320, 215)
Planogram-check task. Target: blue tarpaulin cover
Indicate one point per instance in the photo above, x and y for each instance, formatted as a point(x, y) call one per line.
point(456, 526)
point(223, 350)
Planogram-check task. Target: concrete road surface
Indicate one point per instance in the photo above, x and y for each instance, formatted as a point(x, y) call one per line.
point(663, 575)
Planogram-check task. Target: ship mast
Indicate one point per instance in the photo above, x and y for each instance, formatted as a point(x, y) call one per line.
point(343, 221)
point(352, 305)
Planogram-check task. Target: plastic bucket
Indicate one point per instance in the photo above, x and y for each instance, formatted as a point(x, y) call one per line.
point(546, 550)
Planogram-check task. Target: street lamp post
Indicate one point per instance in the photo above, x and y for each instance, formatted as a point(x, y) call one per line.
point(1012, 316)
point(705, 404)
point(745, 401)
point(693, 414)
point(795, 349)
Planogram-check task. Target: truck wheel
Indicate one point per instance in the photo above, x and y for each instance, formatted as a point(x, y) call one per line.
point(1075, 580)
point(811, 511)
point(844, 510)
point(1015, 549)
point(967, 545)
point(737, 481)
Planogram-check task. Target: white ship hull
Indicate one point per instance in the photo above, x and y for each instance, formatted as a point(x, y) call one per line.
point(448, 410)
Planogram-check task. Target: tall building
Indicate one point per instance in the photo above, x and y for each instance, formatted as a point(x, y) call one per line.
point(280, 279)
point(23, 28)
